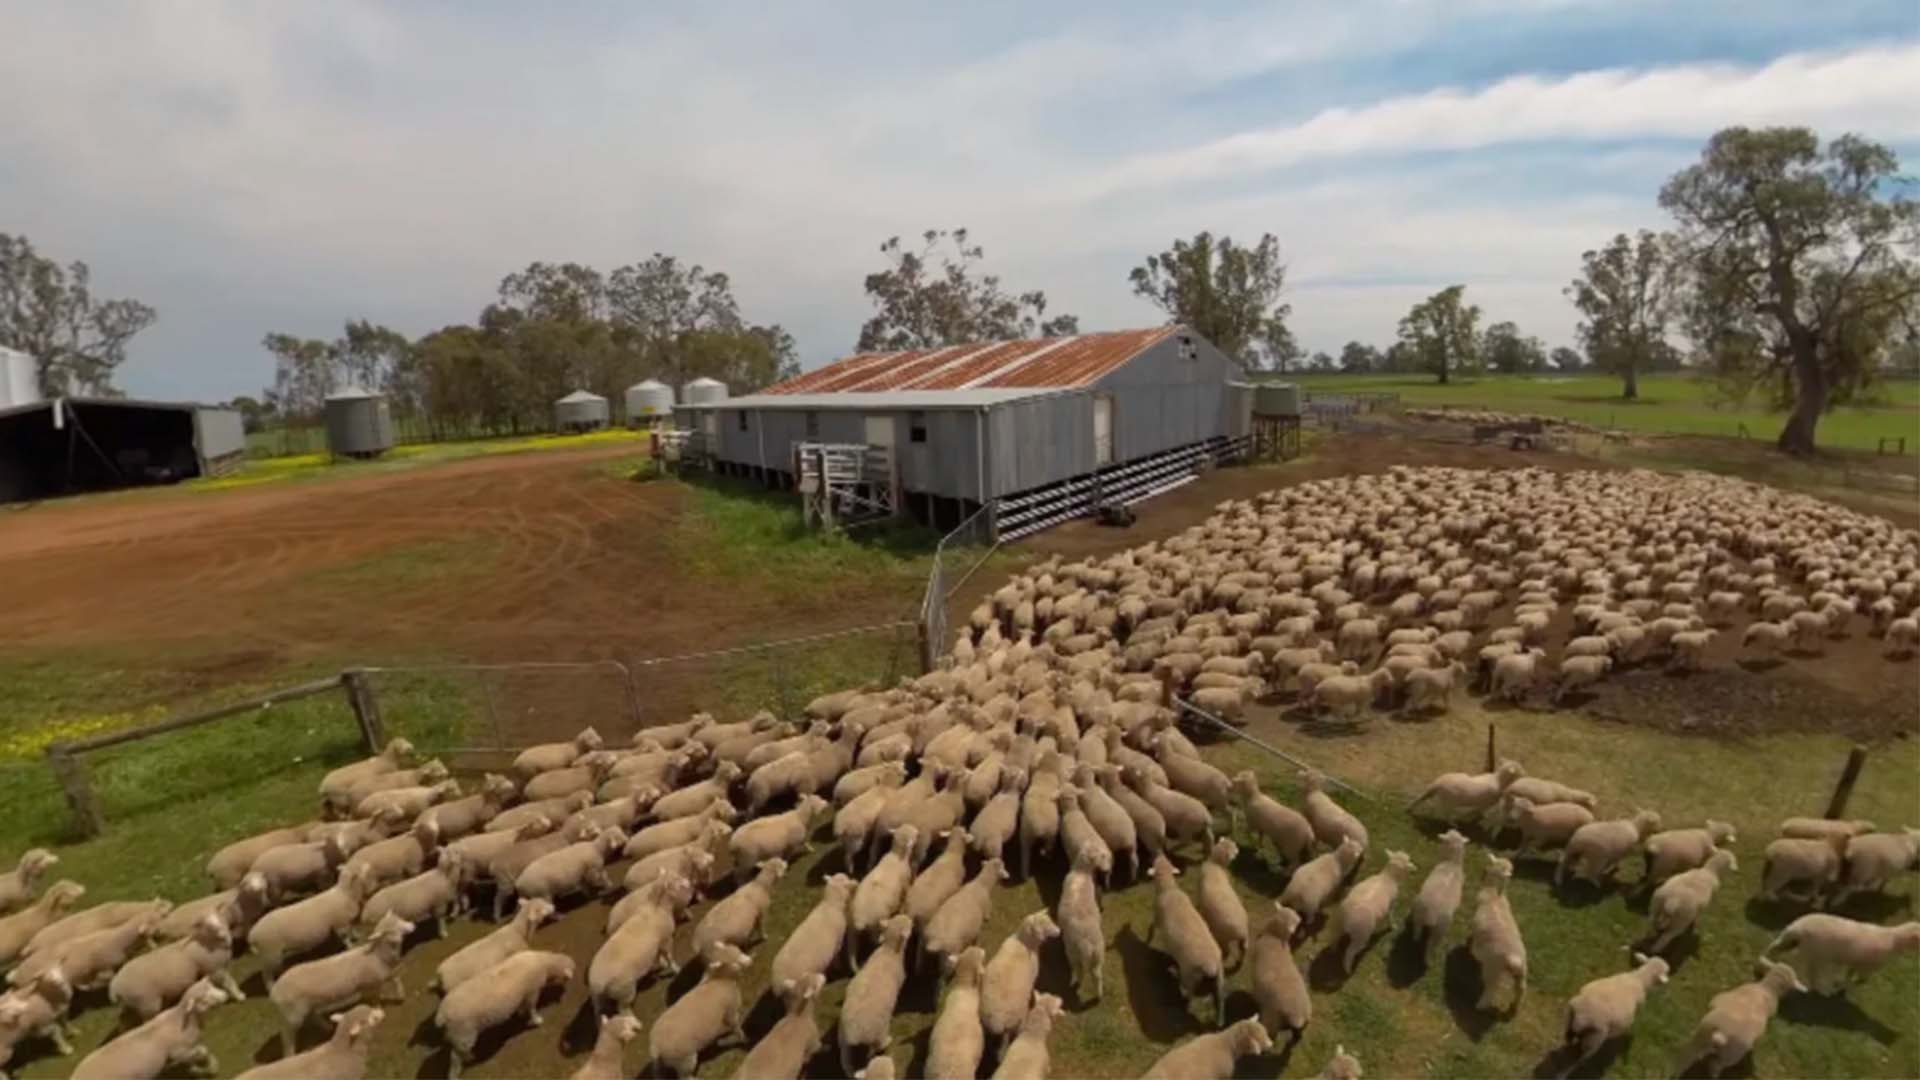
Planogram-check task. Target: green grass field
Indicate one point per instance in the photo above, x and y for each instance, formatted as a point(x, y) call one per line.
point(1668, 405)
point(317, 463)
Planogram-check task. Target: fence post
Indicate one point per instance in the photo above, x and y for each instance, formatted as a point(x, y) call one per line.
point(366, 708)
point(72, 774)
point(1842, 791)
point(1490, 753)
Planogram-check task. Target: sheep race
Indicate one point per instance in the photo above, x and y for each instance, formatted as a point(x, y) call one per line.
point(1073, 849)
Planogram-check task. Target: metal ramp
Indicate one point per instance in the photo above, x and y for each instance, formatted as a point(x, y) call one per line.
point(846, 484)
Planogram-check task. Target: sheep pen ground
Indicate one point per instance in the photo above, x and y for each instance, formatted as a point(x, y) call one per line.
point(1399, 1020)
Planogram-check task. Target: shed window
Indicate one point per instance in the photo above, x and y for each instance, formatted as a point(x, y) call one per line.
point(917, 427)
point(813, 425)
point(743, 419)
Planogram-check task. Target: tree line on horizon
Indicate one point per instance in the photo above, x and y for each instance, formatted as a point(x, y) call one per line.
point(1789, 273)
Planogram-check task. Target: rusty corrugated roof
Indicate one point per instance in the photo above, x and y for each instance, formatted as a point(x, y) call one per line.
point(1036, 362)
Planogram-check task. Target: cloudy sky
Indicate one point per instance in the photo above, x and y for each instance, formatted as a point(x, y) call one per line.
point(248, 167)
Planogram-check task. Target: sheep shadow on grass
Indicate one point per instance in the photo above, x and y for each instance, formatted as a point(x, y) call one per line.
point(1327, 972)
point(1406, 957)
point(1760, 665)
point(1461, 987)
point(1774, 914)
point(1875, 907)
point(1835, 1011)
point(1561, 1060)
point(1153, 990)
point(582, 1029)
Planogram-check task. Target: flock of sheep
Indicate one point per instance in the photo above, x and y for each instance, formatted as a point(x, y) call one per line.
point(1049, 741)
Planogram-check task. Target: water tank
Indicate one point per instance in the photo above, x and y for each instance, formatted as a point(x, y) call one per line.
point(706, 391)
point(649, 402)
point(19, 385)
point(358, 423)
point(580, 411)
point(1276, 399)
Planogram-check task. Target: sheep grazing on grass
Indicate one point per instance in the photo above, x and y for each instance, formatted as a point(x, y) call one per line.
point(393, 757)
point(38, 1010)
point(1316, 881)
point(341, 1057)
point(1283, 828)
point(1342, 1066)
point(21, 884)
point(1836, 952)
point(1737, 1018)
point(1028, 1056)
point(1874, 859)
point(1458, 796)
point(956, 925)
point(1007, 989)
point(149, 983)
point(958, 1041)
point(1214, 1056)
point(1676, 905)
point(736, 919)
point(1495, 942)
point(641, 946)
point(170, 1039)
point(1544, 827)
point(239, 908)
point(1439, 896)
point(1603, 1009)
point(546, 757)
point(340, 980)
point(813, 946)
point(1368, 908)
point(1671, 852)
point(1331, 822)
point(1185, 938)
point(867, 1016)
point(21, 927)
point(512, 988)
point(1220, 904)
point(477, 957)
point(1595, 851)
point(1278, 986)
point(1794, 865)
point(786, 1048)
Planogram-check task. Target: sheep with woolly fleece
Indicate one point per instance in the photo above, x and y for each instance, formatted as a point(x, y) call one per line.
point(1737, 1018)
point(1769, 637)
point(1315, 882)
point(854, 823)
point(397, 857)
point(505, 868)
point(90, 959)
point(170, 1038)
point(342, 1057)
point(1331, 822)
point(554, 811)
point(792, 1041)
point(1078, 837)
point(1458, 796)
point(642, 945)
point(21, 884)
point(1544, 827)
point(1834, 952)
point(476, 957)
point(1188, 774)
point(341, 979)
point(690, 800)
point(942, 878)
point(1215, 1055)
point(1028, 1057)
point(391, 757)
point(1515, 674)
point(680, 831)
point(298, 869)
point(957, 923)
point(1431, 686)
point(578, 867)
point(1285, 829)
point(1903, 636)
point(436, 894)
point(408, 803)
point(1495, 940)
point(430, 773)
point(231, 863)
point(1278, 986)
point(814, 945)
point(480, 849)
point(1806, 828)
point(1543, 791)
point(1579, 671)
point(239, 908)
point(1815, 865)
point(149, 983)
point(1670, 852)
point(1872, 860)
point(1677, 903)
point(512, 988)
point(1182, 816)
point(867, 1016)
point(1109, 819)
point(886, 775)
point(958, 1040)
point(1604, 1008)
point(21, 927)
point(39, 1009)
point(1595, 850)
point(547, 757)
point(1690, 648)
point(469, 813)
point(882, 891)
point(1439, 897)
point(1349, 695)
point(1007, 985)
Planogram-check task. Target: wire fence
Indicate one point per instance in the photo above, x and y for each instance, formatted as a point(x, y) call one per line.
point(956, 558)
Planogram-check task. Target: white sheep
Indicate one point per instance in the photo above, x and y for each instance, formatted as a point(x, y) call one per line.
point(1834, 952)
point(304, 926)
point(170, 1038)
point(149, 983)
point(1028, 1056)
point(392, 757)
point(1544, 827)
point(1737, 1018)
point(1677, 903)
point(1368, 908)
point(407, 803)
point(476, 957)
point(735, 920)
point(239, 908)
point(1873, 860)
point(1178, 923)
point(39, 1009)
point(783, 835)
point(1690, 648)
point(1331, 822)
point(701, 1017)
point(1543, 791)
point(469, 813)
point(1431, 687)
point(578, 867)
point(1495, 941)
point(882, 892)
point(1768, 637)
point(1578, 671)
point(1278, 986)
point(1815, 865)
point(21, 884)
point(1595, 850)
point(956, 924)
point(679, 832)
point(89, 959)
point(1212, 1056)
point(1439, 896)
point(1514, 675)
point(642, 945)
point(1822, 828)
point(1220, 904)
point(342, 1057)
point(511, 988)
point(785, 1049)
point(1315, 882)
point(340, 980)
point(21, 927)
point(693, 861)
point(1670, 852)
point(958, 1041)
point(1007, 986)
point(1903, 636)
point(816, 942)
point(1604, 1008)
point(1458, 796)
point(549, 756)
point(1342, 1066)
point(867, 1015)
point(1285, 829)
point(435, 894)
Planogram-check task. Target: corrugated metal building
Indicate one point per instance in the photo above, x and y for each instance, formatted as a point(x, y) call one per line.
point(73, 444)
point(978, 424)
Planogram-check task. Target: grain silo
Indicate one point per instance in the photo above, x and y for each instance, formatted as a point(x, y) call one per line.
point(705, 391)
point(19, 380)
point(581, 410)
point(359, 423)
point(649, 402)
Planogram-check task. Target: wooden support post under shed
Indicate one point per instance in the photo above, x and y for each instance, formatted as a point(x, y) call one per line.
point(366, 708)
point(72, 774)
point(1842, 791)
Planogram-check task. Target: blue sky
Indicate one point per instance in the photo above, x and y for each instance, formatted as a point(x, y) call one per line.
point(248, 168)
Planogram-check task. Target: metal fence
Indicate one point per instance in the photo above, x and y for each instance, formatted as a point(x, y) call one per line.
point(956, 558)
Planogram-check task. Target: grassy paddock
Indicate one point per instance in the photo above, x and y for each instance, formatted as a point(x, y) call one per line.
point(314, 464)
point(1668, 405)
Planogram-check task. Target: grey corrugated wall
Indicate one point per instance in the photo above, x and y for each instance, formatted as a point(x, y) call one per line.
point(1161, 400)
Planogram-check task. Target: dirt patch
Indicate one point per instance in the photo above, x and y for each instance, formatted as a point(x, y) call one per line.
point(1757, 698)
